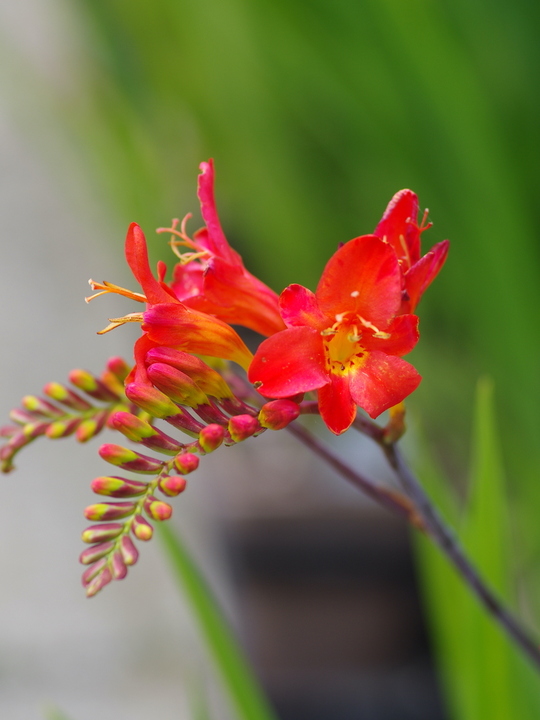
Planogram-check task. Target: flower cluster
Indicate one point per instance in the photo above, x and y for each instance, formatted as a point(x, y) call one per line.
point(345, 341)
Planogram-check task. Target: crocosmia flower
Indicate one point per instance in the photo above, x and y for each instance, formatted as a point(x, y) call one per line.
point(211, 276)
point(399, 228)
point(346, 339)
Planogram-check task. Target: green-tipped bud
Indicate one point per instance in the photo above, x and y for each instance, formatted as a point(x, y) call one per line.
point(35, 404)
point(91, 385)
point(101, 533)
point(133, 427)
point(118, 367)
point(98, 583)
point(211, 437)
point(110, 511)
point(243, 426)
point(172, 485)
point(62, 428)
point(23, 417)
point(129, 459)
point(177, 385)
point(141, 528)
point(277, 414)
point(186, 463)
point(151, 400)
point(118, 566)
point(67, 397)
point(118, 487)
point(128, 550)
point(156, 509)
point(208, 380)
point(112, 383)
point(94, 553)
point(90, 573)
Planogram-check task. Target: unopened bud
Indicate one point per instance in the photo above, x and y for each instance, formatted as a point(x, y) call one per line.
point(118, 566)
point(128, 550)
point(176, 385)
point(211, 437)
point(35, 404)
point(62, 428)
point(98, 583)
point(67, 397)
point(243, 426)
point(151, 400)
point(101, 533)
point(133, 427)
point(172, 485)
point(156, 509)
point(91, 572)
point(277, 414)
point(186, 463)
point(209, 381)
point(118, 367)
point(110, 511)
point(112, 383)
point(91, 554)
point(118, 487)
point(129, 459)
point(141, 528)
point(91, 385)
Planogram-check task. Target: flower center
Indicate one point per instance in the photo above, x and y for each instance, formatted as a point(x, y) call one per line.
point(342, 348)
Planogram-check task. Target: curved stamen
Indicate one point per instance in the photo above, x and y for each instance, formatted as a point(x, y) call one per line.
point(107, 287)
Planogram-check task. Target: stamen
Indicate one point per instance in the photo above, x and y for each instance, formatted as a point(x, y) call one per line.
point(116, 322)
point(376, 332)
point(107, 287)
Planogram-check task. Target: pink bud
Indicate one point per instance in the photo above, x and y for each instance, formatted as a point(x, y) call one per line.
point(129, 459)
point(172, 485)
point(156, 509)
point(90, 427)
point(96, 552)
point(67, 397)
point(133, 427)
point(243, 426)
point(91, 572)
point(186, 463)
point(109, 511)
point(62, 428)
point(141, 528)
point(211, 437)
point(119, 367)
point(151, 400)
point(277, 414)
point(98, 583)
point(176, 385)
point(118, 487)
point(83, 380)
point(102, 533)
point(38, 405)
point(209, 381)
point(128, 550)
point(118, 566)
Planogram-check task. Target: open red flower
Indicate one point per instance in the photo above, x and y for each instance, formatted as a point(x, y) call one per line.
point(211, 277)
point(399, 227)
point(346, 340)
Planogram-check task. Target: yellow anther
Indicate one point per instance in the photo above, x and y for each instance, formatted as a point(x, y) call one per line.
point(107, 287)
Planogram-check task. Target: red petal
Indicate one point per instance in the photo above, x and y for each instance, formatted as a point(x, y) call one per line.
point(422, 274)
point(216, 241)
point(363, 277)
point(399, 227)
point(336, 405)
point(381, 382)
point(403, 333)
point(289, 362)
point(299, 306)
point(180, 327)
point(137, 258)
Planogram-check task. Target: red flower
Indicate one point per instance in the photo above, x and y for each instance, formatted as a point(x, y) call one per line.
point(346, 340)
point(212, 278)
point(399, 228)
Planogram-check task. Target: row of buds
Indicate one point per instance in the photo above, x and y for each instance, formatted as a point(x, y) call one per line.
point(63, 411)
point(111, 548)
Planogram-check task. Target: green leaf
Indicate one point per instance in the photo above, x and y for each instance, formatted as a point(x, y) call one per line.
point(238, 678)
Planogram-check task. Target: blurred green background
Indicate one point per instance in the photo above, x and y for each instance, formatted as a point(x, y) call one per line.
point(316, 113)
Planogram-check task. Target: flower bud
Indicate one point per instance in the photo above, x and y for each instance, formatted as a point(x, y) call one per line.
point(243, 426)
point(172, 485)
point(91, 572)
point(118, 487)
point(110, 511)
point(62, 428)
point(186, 463)
point(96, 552)
point(129, 459)
point(151, 400)
point(128, 550)
point(23, 417)
point(91, 385)
point(133, 427)
point(141, 528)
point(211, 437)
point(118, 565)
point(176, 385)
point(35, 404)
point(98, 583)
point(67, 397)
point(101, 533)
point(208, 380)
point(156, 509)
point(277, 414)
point(112, 383)
point(118, 367)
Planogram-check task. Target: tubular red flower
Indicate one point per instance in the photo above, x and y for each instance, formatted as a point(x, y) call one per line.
point(346, 340)
point(399, 227)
